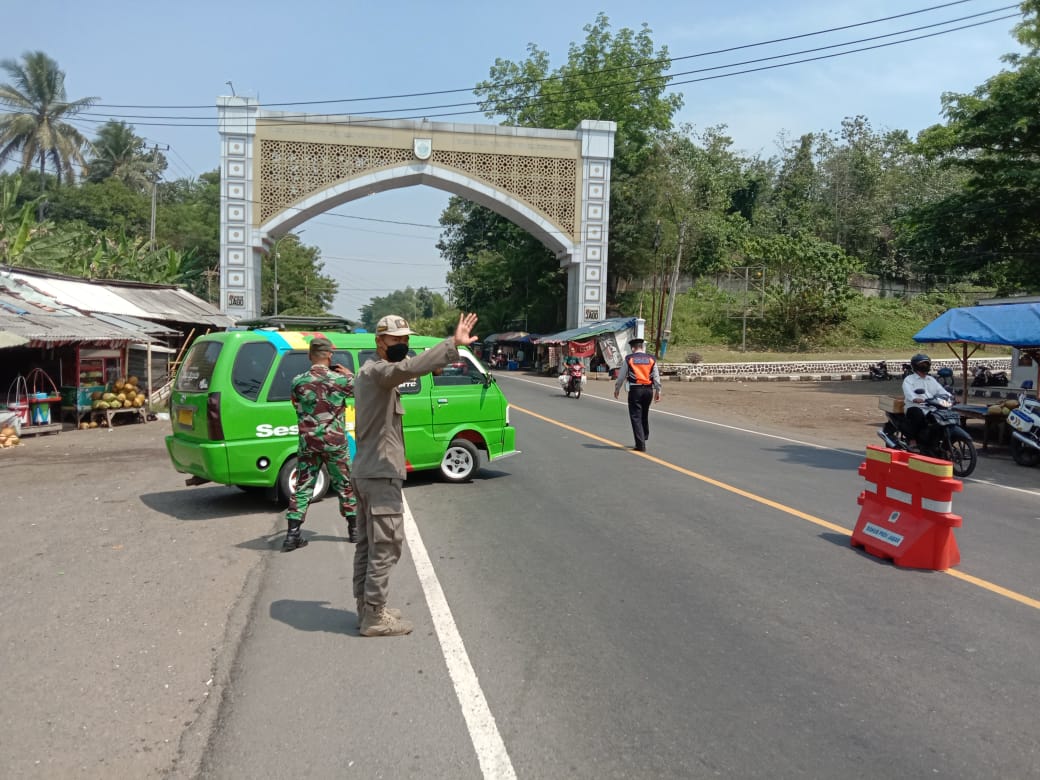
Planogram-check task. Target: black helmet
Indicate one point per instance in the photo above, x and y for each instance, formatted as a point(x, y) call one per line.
point(921, 362)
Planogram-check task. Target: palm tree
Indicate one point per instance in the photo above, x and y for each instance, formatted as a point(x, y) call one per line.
point(36, 125)
point(120, 153)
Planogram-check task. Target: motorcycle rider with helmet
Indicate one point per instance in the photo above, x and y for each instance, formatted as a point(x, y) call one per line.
point(918, 387)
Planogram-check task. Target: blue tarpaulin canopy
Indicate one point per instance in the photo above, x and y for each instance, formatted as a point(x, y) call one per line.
point(1005, 324)
point(1008, 324)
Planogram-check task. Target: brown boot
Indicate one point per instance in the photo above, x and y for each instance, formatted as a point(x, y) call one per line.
point(378, 621)
point(361, 611)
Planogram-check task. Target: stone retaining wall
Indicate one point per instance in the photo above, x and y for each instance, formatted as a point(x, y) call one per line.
point(806, 371)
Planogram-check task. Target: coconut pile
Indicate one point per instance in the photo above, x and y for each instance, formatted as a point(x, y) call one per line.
point(123, 393)
point(8, 437)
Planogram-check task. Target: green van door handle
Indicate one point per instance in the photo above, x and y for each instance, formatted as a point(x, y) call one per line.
point(442, 400)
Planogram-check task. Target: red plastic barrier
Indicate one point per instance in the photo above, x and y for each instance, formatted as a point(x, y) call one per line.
point(907, 517)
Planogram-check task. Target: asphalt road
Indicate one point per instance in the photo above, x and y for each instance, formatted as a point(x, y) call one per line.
point(696, 612)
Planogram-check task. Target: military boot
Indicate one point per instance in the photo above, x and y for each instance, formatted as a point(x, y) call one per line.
point(378, 621)
point(352, 528)
point(293, 538)
point(361, 611)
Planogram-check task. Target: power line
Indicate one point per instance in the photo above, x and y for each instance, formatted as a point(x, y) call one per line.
point(629, 87)
point(524, 82)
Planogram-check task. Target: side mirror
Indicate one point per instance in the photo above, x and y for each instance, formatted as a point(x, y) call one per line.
point(919, 391)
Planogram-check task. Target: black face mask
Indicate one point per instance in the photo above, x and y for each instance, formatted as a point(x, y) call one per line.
point(395, 353)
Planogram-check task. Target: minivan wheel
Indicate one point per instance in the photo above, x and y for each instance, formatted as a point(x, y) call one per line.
point(287, 482)
point(461, 461)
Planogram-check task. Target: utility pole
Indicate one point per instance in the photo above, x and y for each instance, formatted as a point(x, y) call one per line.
point(155, 189)
point(667, 333)
point(653, 289)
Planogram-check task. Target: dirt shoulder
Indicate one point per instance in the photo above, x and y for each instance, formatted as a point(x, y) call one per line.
point(839, 413)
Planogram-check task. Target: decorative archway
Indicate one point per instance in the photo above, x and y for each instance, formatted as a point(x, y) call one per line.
point(279, 169)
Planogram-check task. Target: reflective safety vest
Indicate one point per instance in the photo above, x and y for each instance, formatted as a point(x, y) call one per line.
point(640, 366)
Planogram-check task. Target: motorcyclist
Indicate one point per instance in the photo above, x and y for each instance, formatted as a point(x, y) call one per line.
point(572, 366)
point(918, 387)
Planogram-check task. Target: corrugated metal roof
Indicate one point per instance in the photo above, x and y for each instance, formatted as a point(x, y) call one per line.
point(66, 328)
point(145, 301)
point(133, 323)
point(588, 330)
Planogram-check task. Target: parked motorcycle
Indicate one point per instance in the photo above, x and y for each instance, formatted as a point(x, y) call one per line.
point(1025, 436)
point(879, 371)
point(907, 370)
point(573, 379)
point(943, 437)
point(984, 376)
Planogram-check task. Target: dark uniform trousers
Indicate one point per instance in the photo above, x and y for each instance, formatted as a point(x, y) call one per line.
point(639, 399)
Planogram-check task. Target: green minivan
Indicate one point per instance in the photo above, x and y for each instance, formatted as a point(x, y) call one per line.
point(234, 423)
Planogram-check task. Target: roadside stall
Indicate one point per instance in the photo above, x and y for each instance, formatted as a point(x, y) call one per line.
point(964, 330)
point(511, 350)
point(600, 345)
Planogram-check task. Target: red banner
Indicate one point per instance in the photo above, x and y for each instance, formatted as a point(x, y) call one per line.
point(581, 348)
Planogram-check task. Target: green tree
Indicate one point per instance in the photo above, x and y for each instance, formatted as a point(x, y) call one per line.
point(500, 271)
point(188, 220)
point(36, 124)
point(417, 306)
point(102, 205)
point(807, 288)
point(119, 153)
point(618, 77)
point(988, 229)
point(302, 287)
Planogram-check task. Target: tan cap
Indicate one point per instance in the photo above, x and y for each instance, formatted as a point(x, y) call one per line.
point(321, 344)
point(392, 325)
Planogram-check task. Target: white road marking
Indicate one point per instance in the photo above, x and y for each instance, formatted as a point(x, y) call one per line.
point(487, 742)
point(703, 421)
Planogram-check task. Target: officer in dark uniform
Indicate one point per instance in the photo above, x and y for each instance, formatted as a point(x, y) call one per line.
point(644, 383)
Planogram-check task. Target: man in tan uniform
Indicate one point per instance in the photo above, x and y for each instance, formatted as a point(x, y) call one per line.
point(379, 465)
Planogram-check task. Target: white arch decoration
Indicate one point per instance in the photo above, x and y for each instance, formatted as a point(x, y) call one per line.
point(245, 238)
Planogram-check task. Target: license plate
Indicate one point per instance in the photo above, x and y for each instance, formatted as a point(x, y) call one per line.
point(186, 417)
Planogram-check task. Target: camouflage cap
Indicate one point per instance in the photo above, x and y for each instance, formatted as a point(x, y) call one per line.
point(320, 344)
point(392, 325)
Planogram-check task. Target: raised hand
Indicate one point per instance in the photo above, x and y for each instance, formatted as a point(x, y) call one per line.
point(463, 331)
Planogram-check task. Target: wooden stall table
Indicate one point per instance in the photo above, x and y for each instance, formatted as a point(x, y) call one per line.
point(995, 428)
point(108, 414)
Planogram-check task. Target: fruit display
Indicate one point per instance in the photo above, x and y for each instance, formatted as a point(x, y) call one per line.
point(123, 393)
point(8, 437)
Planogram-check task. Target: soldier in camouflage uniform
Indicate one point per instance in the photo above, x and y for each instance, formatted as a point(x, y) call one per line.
point(319, 396)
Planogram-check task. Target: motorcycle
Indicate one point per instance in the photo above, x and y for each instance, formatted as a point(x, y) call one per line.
point(1025, 436)
point(573, 379)
point(907, 370)
point(879, 372)
point(943, 437)
point(984, 376)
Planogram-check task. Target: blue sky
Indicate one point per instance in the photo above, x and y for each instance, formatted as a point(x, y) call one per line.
point(182, 54)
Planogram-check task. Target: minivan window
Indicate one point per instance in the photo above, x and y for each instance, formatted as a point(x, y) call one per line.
point(295, 363)
point(252, 364)
point(464, 371)
point(411, 387)
point(196, 373)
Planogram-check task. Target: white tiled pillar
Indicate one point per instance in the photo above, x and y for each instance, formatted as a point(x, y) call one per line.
point(590, 281)
point(240, 263)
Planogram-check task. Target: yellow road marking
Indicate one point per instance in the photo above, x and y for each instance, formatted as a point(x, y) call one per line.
point(981, 583)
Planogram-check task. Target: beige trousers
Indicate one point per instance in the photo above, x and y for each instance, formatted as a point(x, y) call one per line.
point(380, 508)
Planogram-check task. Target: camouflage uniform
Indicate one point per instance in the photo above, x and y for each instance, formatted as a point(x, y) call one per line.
point(319, 397)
